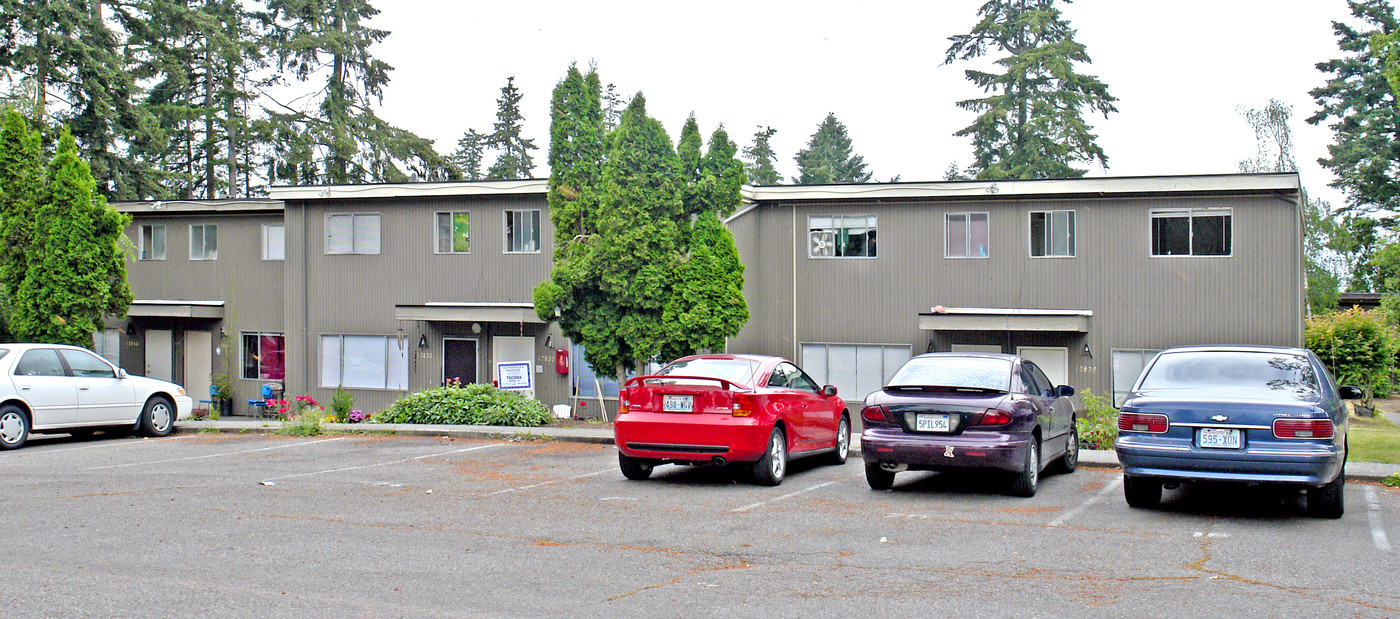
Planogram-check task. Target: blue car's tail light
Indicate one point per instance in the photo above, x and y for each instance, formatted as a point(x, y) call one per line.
point(1303, 428)
point(1138, 422)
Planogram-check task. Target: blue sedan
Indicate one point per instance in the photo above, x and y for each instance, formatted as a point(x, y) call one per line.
point(1237, 414)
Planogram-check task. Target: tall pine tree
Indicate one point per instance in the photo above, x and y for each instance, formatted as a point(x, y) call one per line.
point(762, 161)
point(22, 183)
point(1357, 104)
point(340, 140)
point(829, 157)
point(1031, 125)
point(507, 138)
point(471, 148)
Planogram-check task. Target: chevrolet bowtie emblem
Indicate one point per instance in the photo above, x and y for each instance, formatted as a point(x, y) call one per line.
point(1219, 418)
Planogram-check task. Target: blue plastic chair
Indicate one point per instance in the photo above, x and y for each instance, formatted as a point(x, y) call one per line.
point(260, 406)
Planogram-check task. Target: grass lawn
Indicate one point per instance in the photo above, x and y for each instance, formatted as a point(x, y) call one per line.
point(1373, 439)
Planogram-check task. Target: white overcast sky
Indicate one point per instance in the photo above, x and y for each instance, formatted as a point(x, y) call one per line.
point(1180, 70)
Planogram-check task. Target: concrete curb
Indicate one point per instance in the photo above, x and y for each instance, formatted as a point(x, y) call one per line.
point(1090, 458)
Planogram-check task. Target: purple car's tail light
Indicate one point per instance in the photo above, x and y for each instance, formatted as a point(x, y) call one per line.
point(992, 417)
point(874, 414)
point(1138, 422)
point(1303, 428)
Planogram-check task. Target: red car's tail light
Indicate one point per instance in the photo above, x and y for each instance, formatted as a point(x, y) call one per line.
point(743, 405)
point(992, 417)
point(874, 413)
point(624, 402)
point(1138, 422)
point(1303, 428)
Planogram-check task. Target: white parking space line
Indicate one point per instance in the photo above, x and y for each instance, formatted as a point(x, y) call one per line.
point(1373, 514)
point(217, 455)
point(548, 483)
point(1082, 506)
point(391, 462)
point(126, 443)
point(781, 498)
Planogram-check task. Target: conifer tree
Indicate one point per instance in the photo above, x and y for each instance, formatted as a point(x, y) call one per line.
point(340, 140)
point(507, 138)
point(1031, 125)
point(829, 157)
point(21, 187)
point(468, 156)
point(1357, 103)
point(761, 165)
point(80, 271)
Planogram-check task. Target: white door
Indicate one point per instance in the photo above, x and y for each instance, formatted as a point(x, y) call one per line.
point(514, 350)
point(976, 348)
point(158, 354)
point(199, 363)
point(1052, 360)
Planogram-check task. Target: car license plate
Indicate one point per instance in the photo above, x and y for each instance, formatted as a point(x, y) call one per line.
point(1219, 438)
point(931, 423)
point(678, 403)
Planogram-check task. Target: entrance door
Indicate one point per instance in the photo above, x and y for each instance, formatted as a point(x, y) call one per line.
point(459, 360)
point(158, 354)
point(1052, 360)
point(507, 349)
point(199, 363)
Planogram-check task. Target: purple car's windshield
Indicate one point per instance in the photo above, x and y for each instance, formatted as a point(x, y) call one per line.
point(981, 373)
point(739, 371)
point(1281, 376)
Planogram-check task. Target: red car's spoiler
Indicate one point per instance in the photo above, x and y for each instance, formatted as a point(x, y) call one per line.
point(723, 383)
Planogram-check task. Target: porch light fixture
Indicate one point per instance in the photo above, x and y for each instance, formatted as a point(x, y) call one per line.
point(423, 341)
point(1086, 351)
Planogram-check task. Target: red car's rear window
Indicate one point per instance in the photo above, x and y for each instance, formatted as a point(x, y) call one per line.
point(739, 371)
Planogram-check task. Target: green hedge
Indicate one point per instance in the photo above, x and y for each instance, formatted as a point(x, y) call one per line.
point(476, 404)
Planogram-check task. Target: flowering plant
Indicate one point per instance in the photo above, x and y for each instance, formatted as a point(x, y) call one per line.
point(358, 416)
point(279, 408)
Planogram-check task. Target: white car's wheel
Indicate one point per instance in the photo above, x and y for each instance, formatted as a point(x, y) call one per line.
point(14, 427)
point(158, 418)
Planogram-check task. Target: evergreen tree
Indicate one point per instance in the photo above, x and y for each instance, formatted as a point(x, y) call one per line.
point(762, 161)
point(1358, 105)
point(21, 187)
point(1031, 125)
point(66, 59)
point(341, 140)
point(468, 156)
point(513, 160)
point(612, 108)
point(80, 272)
point(829, 157)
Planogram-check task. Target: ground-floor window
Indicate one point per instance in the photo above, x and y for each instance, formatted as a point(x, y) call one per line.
point(587, 382)
point(855, 369)
point(264, 356)
point(364, 361)
point(107, 343)
point(1127, 365)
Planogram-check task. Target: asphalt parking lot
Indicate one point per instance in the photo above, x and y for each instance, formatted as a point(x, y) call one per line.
point(251, 524)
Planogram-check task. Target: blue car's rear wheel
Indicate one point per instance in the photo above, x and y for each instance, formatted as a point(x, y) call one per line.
point(1326, 502)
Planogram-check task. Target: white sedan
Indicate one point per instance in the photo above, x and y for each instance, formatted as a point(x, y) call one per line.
point(55, 388)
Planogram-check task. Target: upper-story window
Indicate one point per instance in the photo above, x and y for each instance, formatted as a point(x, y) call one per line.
point(454, 232)
point(841, 236)
point(1052, 234)
point(522, 231)
point(204, 242)
point(352, 233)
point(274, 242)
point(965, 235)
point(1191, 232)
point(153, 242)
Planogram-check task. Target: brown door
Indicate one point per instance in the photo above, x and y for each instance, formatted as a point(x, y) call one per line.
point(459, 360)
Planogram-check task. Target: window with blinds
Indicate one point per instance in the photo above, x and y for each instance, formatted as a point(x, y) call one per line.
point(352, 233)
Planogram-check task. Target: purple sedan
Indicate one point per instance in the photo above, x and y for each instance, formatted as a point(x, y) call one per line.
point(952, 410)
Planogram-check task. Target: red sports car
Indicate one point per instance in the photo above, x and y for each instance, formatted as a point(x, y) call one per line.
point(713, 409)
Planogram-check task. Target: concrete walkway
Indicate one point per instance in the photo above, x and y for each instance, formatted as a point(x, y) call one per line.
point(1356, 471)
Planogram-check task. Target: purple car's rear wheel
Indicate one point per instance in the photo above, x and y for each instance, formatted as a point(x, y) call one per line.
point(1026, 482)
point(878, 478)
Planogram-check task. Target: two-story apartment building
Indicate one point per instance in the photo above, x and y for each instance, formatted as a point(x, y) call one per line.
point(388, 289)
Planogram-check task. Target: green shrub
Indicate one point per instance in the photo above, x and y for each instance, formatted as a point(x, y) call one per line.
point(341, 404)
point(1393, 481)
point(306, 421)
point(1098, 422)
point(475, 404)
point(1357, 346)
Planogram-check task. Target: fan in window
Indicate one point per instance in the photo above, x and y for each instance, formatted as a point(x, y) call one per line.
point(821, 244)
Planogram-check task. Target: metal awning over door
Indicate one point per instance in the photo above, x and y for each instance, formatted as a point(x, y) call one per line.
point(998, 319)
